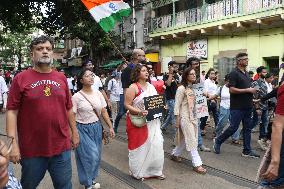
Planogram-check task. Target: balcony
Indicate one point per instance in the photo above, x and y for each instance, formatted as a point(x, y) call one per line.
point(212, 13)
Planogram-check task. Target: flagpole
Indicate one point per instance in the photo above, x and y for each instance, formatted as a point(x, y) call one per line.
point(134, 24)
point(115, 47)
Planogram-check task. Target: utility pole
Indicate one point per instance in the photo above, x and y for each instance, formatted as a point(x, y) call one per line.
point(134, 24)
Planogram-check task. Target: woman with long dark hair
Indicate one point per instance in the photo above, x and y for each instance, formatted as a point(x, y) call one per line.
point(88, 105)
point(186, 121)
point(145, 143)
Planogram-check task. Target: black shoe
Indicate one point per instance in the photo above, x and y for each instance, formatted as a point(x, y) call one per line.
point(252, 154)
point(216, 147)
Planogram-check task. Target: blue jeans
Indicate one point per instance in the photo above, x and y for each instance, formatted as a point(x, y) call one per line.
point(88, 153)
point(121, 112)
point(275, 183)
point(214, 111)
point(236, 117)
point(170, 119)
point(264, 123)
point(200, 141)
point(224, 117)
point(279, 181)
point(58, 166)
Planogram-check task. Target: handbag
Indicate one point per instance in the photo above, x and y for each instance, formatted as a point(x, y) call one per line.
point(138, 121)
point(105, 134)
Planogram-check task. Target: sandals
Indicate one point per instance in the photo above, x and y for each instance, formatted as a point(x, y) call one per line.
point(200, 170)
point(161, 177)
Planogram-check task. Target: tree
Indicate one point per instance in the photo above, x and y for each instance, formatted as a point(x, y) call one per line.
point(68, 18)
point(14, 47)
point(71, 19)
point(81, 25)
point(17, 15)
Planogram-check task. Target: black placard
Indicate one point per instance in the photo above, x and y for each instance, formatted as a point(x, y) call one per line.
point(155, 105)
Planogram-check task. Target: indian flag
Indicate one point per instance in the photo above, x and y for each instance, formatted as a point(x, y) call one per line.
point(107, 12)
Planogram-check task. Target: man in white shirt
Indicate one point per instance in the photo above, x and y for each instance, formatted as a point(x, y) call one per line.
point(103, 79)
point(70, 85)
point(210, 89)
point(268, 80)
point(114, 93)
point(3, 92)
point(202, 76)
point(224, 94)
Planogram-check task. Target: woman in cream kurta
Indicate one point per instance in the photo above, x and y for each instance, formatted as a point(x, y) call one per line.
point(186, 121)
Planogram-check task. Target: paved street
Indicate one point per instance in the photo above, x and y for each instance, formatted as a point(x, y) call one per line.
point(227, 170)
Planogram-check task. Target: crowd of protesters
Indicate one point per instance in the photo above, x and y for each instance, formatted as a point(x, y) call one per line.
point(76, 104)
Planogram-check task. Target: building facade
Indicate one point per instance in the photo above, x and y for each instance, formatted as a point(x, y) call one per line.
point(216, 31)
point(139, 22)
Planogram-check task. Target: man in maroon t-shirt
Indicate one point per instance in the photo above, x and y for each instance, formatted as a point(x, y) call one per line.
point(274, 175)
point(39, 115)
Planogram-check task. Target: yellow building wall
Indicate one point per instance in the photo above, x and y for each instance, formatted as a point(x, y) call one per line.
point(258, 43)
point(173, 48)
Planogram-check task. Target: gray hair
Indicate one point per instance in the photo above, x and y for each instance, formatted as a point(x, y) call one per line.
point(39, 40)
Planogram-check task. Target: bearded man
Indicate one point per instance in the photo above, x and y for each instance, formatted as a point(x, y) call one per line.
point(40, 118)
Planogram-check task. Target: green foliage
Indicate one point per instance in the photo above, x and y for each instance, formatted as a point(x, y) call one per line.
point(68, 18)
point(14, 45)
point(16, 16)
point(76, 21)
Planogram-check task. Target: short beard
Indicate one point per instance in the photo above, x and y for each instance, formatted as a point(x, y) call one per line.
point(44, 61)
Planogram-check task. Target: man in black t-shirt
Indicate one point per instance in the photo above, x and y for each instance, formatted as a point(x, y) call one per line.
point(171, 82)
point(138, 56)
point(241, 105)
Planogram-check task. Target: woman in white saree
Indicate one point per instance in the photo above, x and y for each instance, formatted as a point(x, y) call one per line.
point(145, 144)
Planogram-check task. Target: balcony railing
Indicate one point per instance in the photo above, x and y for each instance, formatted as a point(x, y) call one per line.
point(211, 12)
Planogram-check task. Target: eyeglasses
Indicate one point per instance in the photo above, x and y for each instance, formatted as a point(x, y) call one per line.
point(89, 75)
point(5, 145)
point(243, 59)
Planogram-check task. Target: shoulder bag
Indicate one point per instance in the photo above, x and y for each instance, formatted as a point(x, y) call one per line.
point(105, 135)
point(136, 120)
